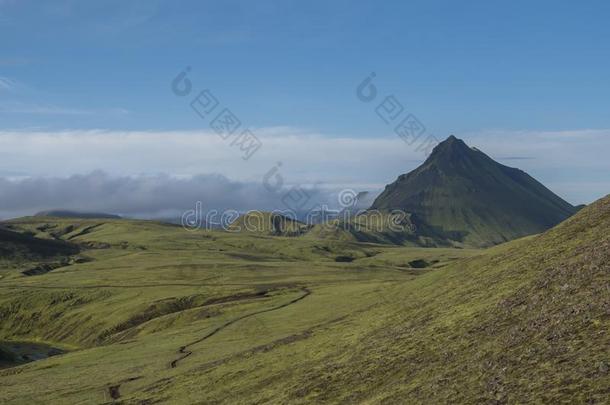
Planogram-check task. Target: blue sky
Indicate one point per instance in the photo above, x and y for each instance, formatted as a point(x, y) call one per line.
point(460, 66)
point(467, 68)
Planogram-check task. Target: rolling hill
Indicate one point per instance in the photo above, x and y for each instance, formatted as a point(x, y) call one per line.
point(462, 195)
point(267, 223)
point(75, 214)
point(163, 315)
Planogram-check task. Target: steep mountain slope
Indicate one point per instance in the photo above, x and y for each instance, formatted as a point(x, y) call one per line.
point(463, 195)
point(527, 322)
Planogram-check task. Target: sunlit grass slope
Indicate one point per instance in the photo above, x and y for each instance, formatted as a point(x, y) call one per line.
point(162, 315)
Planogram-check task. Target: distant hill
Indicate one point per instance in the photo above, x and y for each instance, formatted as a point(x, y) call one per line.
point(75, 214)
point(267, 223)
point(373, 227)
point(462, 195)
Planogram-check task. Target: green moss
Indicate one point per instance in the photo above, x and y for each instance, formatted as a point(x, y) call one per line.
point(266, 319)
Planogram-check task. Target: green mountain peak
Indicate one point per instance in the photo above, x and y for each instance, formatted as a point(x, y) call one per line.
point(463, 196)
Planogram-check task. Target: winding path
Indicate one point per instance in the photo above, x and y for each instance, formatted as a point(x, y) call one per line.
point(95, 286)
point(184, 353)
point(114, 390)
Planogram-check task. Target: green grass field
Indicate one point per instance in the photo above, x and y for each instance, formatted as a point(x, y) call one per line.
point(151, 313)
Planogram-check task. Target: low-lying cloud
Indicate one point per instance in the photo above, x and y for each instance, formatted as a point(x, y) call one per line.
point(161, 173)
point(158, 196)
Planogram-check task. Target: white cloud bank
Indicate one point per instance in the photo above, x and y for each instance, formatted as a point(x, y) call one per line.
point(148, 172)
point(158, 196)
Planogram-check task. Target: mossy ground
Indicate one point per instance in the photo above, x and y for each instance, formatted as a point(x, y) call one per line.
point(262, 319)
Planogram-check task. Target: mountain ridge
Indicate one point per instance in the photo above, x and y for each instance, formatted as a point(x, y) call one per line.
point(60, 213)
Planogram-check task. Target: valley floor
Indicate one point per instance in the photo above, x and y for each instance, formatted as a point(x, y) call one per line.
point(151, 313)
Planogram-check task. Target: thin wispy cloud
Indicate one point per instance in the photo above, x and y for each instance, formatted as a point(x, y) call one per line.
point(13, 61)
point(118, 16)
point(6, 83)
point(49, 109)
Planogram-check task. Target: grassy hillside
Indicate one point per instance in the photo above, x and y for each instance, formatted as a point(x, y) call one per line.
point(161, 314)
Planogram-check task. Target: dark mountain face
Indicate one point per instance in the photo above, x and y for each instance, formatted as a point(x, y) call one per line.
point(462, 195)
